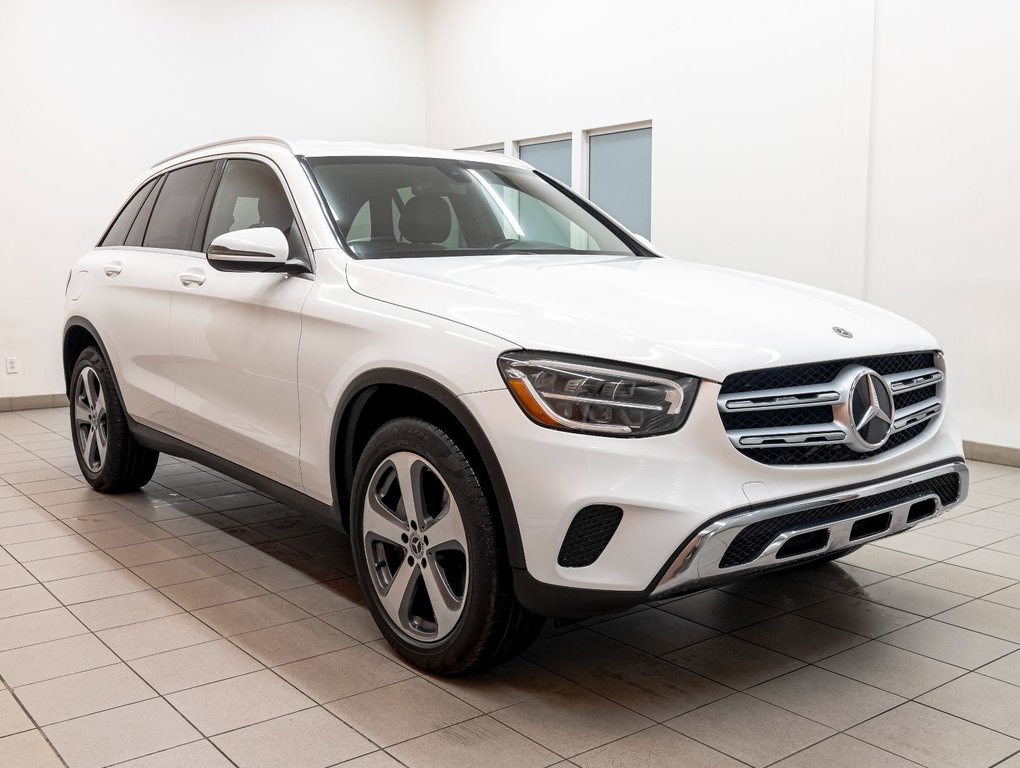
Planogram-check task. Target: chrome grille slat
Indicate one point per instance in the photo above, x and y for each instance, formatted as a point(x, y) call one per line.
point(801, 423)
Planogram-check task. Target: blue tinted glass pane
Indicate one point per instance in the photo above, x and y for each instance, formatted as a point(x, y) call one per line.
point(551, 157)
point(620, 177)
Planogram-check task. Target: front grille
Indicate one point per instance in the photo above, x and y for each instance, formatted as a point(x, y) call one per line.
point(752, 541)
point(784, 416)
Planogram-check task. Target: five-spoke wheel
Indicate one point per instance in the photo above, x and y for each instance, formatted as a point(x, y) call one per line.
point(91, 424)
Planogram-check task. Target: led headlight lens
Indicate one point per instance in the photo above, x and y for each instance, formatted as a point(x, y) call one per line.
point(592, 396)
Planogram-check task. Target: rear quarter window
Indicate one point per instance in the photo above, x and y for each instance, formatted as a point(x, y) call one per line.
point(118, 231)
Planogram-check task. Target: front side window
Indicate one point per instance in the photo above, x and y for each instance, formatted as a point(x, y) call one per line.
point(400, 207)
point(175, 216)
point(250, 195)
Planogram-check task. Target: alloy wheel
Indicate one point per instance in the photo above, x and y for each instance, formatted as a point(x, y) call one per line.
point(91, 423)
point(416, 547)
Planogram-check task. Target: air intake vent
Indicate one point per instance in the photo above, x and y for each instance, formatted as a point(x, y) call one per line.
point(588, 535)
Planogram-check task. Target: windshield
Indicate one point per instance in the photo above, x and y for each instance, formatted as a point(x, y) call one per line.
point(401, 207)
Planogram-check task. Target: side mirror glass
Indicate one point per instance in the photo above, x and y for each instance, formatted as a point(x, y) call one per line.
point(259, 249)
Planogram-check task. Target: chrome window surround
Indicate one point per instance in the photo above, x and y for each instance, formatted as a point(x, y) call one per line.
point(697, 564)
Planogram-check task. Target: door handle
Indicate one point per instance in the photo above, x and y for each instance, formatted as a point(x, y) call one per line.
point(113, 268)
point(191, 278)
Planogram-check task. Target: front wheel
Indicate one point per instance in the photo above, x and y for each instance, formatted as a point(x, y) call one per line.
point(429, 553)
point(109, 457)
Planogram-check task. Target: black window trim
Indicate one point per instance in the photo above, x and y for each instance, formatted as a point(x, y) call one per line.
point(154, 180)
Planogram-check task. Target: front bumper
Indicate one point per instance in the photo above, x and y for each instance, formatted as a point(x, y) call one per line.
point(671, 488)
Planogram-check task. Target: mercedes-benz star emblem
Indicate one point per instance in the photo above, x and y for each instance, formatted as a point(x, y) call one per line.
point(842, 332)
point(871, 410)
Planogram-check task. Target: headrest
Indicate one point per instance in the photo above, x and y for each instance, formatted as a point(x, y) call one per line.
point(426, 219)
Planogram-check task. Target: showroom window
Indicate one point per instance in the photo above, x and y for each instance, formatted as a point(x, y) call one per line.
point(251, 195)
point(173, 220)
point(620, 176)
point(118, 231)
point(550, 157)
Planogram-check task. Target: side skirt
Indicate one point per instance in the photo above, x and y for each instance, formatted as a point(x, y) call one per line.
point(159, 441)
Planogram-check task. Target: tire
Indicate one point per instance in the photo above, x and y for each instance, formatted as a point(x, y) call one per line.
point(466, 574)
point(109, 457)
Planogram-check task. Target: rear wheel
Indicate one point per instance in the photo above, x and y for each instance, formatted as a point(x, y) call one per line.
point(429, 554)
point(109, 457)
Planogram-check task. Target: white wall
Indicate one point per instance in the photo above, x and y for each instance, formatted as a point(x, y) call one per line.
point(873, 151)
point(93, 93)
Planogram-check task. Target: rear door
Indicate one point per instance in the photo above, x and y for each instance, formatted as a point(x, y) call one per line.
point(140, 256)
point(234, 335)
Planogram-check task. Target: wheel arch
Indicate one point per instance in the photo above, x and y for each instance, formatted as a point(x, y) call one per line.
point(79, 333)
point(382, 394)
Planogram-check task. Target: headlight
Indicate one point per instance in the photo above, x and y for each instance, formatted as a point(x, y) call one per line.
point(582, 395)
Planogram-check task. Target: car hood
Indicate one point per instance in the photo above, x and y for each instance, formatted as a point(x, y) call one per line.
point(661, 312)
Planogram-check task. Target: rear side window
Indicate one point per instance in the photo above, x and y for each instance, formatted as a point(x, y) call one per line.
point(117, 233)
point(175, 216)
point(137, 231)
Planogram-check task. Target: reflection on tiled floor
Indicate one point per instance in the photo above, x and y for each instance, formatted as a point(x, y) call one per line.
point(200, 624)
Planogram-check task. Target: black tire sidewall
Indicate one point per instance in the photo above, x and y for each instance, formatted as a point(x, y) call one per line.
point(468, 641)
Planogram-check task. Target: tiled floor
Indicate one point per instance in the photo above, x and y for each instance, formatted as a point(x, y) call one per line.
point(200, 624)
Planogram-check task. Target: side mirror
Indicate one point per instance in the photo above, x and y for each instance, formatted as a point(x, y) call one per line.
point(260, 249)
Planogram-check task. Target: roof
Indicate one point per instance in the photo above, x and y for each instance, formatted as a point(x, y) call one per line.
point(317, 148)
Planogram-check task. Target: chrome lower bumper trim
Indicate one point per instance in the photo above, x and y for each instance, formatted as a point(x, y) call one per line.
point(698, 562)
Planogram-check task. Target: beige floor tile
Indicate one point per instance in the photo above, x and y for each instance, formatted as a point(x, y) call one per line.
point(83, 693)
point(862, 617)
point(33, 532)
point(327, 597)
point(204, 593)
point(990, 561)
point(503, 686)
point(245, 559)
point(656, 747)
point(402, 711)
point(373, 760)
point(782, 590)
point(990, 618)
point(750, 730)
point(720, 610)
point(965, 533)
point(482, 741)
point(194, 665)
point(280, 577)
point(828, 698)
point(953, 645)
point(117, 611)
point(800, 638)
point(197, 754)
point(88, 525)
point(14, 575)
point(583, 654)
point(571, 720)
point(884, 560)
point(28, 750)
point(18, 631)
point(892, 669)
point(238, 701)
point(133, 641)
point(733, 662)
point(199, 523)
point(217, 541)
point(40, 550)
point(657, 689)
point(16, 503)
point(911, 597)
point(298, 640)
point(837, 576)
point(96, 586)
point(935, 739)
point(954, 578)
point(116, 536)
point(75, 509)
point(919, 544)
point(249, 615)
point(1006, 668)
point(69, 566)
point(356, 622)
point(116, 735)
point(654, 631)
point(12, 717)
point(55, 658)
point(992, 703)
point(170, 572)
point(841, 751)
point(343, 673)
point(152, 552)
point(312, 738)
point(27, 599)
point(24, 517)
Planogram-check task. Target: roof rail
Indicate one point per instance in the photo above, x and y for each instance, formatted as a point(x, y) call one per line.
point(222, 142)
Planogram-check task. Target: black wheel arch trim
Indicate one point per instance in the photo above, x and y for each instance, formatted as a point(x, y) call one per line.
point(76, 321)
point(350, 409)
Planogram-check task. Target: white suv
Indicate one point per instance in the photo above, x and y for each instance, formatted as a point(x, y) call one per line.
point(515, 407)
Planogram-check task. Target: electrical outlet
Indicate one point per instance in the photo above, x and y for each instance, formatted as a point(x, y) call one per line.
point(12, 365)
